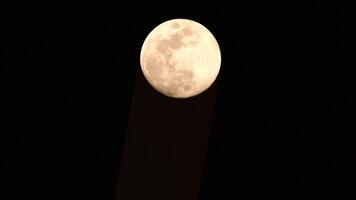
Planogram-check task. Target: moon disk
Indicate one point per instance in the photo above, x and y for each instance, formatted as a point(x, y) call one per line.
point(180, 58)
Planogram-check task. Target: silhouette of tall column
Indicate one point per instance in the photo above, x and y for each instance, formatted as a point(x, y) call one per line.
point(166, 145)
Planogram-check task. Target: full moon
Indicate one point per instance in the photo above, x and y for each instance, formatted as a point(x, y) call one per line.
point(180, 58)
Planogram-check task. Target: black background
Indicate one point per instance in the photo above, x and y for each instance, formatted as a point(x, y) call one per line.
point(284, 95)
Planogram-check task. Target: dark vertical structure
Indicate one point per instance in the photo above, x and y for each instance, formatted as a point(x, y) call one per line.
point(166, 145)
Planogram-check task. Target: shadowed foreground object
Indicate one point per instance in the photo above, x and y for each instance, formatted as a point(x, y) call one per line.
point(165, 145)
point(180, 58)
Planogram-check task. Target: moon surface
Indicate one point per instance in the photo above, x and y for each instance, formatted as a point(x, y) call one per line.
point(180, 58)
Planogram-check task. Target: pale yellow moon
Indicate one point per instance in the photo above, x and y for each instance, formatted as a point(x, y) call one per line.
point(180, 58)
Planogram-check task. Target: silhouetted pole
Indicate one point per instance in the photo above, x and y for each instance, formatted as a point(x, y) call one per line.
point(166, 145)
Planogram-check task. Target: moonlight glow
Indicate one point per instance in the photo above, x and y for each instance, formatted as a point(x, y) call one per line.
point(180, 58)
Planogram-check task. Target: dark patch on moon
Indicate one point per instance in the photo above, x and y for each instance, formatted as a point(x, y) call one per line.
point(163, 46)
point(171, 92)
point(187, 31)
point(175, 41)
point(171, 65)
point(153, 66)
point(187, 87)
point(175, 25)
point(164, 49)
point(186, 78)
point(186, 75)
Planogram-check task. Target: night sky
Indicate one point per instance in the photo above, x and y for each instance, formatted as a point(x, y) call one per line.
point(283, 104)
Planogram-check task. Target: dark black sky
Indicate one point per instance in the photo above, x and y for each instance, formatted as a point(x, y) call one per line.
point(67, 73)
